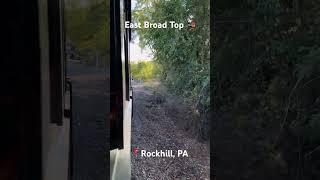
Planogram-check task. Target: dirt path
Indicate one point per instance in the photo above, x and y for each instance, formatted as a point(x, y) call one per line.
point(155, 127)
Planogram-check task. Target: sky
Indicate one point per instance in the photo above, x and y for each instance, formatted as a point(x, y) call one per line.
point(139, 54)
point(136, 52)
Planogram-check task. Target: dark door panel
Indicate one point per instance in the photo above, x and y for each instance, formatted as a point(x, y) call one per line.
point(20, 130)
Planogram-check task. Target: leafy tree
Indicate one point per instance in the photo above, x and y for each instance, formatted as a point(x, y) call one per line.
point(87, 28)
point(145, 71)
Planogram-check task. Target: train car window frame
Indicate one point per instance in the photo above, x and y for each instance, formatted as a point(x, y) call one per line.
point(116, 83)
point(56, 60)
point(127, 34)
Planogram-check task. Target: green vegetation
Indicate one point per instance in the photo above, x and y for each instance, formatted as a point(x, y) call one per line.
point(267, 88)
point(87, 28)
point(182, 54)
point(145, 70)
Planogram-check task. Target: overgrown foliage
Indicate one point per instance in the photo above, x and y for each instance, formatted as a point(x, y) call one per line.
point(145, 70)
point(183, 54)
point(267, 82)
point(87, 27)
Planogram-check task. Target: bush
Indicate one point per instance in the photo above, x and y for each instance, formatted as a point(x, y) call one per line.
point(145, 70)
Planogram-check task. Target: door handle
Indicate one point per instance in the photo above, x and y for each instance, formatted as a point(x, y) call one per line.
point(68, 112)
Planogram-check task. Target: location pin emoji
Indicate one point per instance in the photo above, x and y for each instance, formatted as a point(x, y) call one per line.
point(135, 151)
point(192, 25)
